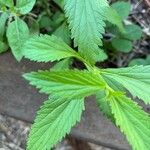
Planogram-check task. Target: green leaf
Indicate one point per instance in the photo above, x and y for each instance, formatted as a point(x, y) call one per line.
point(3, 18)
point(25, 6)
point(114, 18)
point(86, 21)
point(69, 83)
point(45, 22)
point(3, 47)
point(113, 84)
point(53, 122)
point(63, 65)
point(137, 61)
point(123, 9)
point(17, 34)
point(140, 61)
point(8, 3)
point(133, 32)
point(122, 45)
point(60, 3)
point(45, 48)
point(103, 104)
point(135, 79)
point(64, 33)
point(33, 27)
point(132, 120)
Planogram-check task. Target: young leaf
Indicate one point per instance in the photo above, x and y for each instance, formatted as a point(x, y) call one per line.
point(45, 48)
point(69, 83)
point(123, 9)
point(114, 18)
point(132, 120)
point(122, 45)
point(133, 32)
point(135, 79)
point(3, 18)
point(17, 34)
point(53, 122)
point(25, 6)
point(62, 65)
point(86, 20)
point(64, 33)
point(3, 47)
point(8, 3)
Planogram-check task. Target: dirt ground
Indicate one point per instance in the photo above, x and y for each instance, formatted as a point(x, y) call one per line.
point(13, 135)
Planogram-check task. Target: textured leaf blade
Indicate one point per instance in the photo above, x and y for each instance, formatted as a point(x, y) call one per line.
point(114, 18)
point(17, 34)
point(3, 18)
point(103, 104)
point(8, 3)
point(67, 83)
point(132, 120)
point(53, 122)
point(135, 79)
point(47, 48)
point(25, 6)
point(62, 65)
point(86, 20)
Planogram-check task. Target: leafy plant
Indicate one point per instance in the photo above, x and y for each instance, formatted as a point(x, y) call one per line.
point(17, 30)
point(82, 23)
point(68, 87)
point(123, 41)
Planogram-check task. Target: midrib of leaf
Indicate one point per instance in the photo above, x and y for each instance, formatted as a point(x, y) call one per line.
point(133, 126)
point(87, 25)
point(69, 106)
point(93, 17)
point(18, 35)
point(131, 116)
point(44, 125)
point(73, 80)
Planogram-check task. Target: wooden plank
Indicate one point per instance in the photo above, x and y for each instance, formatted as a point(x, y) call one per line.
point(19, 100)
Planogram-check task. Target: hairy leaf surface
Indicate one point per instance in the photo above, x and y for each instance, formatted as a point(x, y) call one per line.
point(132, 120)
point(86, 19)
point(53, 122)
point(47, 48)
point(135, 79)
point(67, 83)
